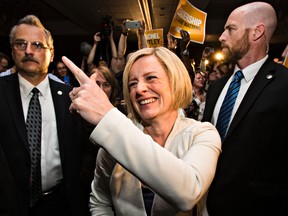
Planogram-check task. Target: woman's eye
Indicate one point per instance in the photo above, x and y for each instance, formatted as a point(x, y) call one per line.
point(106, 85)
point(131, 84)
point(151, 77)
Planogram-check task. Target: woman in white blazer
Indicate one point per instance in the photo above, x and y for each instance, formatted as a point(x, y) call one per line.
point(155, 162)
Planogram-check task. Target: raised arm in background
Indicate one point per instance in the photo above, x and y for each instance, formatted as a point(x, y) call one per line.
point(172, 43)
point(142, 42)
point(90, 59)
point(184, 52)
point(118, 60)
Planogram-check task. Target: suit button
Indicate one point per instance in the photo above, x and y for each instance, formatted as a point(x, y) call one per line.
point(269, 76)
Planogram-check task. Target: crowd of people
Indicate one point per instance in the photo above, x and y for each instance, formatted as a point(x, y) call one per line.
point(146, 132)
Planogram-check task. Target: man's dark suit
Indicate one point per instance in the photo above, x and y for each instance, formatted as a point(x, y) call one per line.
point(15, 145)
point(8, 204)
point(251, 176)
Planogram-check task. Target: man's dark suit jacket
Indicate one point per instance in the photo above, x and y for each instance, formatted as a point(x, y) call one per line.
point(251, 176)
point(15, 145)
point(8, 203)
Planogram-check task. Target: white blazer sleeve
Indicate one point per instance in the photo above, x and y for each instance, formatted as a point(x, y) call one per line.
point(100, 199)
point(179, 179)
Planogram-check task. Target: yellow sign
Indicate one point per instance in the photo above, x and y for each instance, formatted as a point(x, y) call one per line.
point(190, 19)
point(154, 37)
point(285, 63)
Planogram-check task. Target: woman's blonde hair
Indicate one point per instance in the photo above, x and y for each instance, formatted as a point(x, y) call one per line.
point(177, 74)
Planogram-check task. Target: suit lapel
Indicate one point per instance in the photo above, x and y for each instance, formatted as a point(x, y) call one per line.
point(265, 76)
point(12, 93)
point(59, 102)
point(212, 96)
point(61, 105)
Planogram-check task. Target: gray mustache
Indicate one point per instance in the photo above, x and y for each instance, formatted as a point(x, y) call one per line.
point(28, 58)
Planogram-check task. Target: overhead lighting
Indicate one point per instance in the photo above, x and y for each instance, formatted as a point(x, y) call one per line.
point(144, 7)
point(219, 56)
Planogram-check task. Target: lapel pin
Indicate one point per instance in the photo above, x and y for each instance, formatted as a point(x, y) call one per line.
point(59, 92)
point(269, 76)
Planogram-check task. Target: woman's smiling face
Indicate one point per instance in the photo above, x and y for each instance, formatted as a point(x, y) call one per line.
point(150, 89)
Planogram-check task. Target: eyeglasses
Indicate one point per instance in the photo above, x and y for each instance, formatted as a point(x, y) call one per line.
point(35, 46)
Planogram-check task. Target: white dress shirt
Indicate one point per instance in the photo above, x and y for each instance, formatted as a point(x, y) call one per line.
point(50, 155)
point(249, 74)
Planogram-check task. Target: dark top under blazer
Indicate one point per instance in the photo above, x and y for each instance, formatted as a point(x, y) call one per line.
point(251, 176)
point(15, 145)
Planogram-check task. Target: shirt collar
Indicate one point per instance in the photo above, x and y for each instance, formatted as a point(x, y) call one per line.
point(26, 87)
point(250, 71)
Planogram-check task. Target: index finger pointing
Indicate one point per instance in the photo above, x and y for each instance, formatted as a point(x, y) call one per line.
point(79, 74)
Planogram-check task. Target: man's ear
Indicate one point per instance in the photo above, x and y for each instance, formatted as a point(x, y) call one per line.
point(52, 55)
point(258, 31)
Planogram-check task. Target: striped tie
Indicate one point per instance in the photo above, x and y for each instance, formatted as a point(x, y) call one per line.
point(228, 104)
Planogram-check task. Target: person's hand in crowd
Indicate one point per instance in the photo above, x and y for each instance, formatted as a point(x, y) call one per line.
point(206, 52)
point(97, 37)
point(88, 100)
point(124, 28)
point(142, 42)
point(185, 40)
point(172, 42)
point(142, 28)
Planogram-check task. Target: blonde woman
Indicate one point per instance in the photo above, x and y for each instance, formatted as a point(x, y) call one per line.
point(159, 163)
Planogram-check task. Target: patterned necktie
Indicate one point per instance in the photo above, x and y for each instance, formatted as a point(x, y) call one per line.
point(33, 126)
point(228, 105)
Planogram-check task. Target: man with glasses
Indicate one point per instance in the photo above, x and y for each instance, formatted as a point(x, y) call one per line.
point(60, 135)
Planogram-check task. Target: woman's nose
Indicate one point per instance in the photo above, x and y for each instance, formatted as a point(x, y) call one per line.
point(141, 86)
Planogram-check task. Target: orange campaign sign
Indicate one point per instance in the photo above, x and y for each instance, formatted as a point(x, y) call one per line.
point(154, 37)
point(190, 19)
point(285, 63)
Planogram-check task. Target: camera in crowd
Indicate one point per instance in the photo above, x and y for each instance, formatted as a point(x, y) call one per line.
point(106, 26)
point(133, 24)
